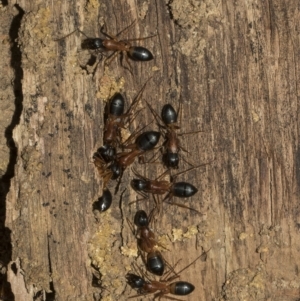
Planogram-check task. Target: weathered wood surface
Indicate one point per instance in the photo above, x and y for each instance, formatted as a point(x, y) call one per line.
point(234, 66)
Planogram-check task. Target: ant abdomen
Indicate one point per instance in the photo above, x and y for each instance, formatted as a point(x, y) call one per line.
point(184, 190)
point(147, 140)
point(117, 105)
point(155, 263)
point(168, 114)
point(104, 201)
point(181, 288)
point(138, 53)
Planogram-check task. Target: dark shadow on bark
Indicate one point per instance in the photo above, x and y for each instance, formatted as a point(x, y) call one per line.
point(4, 2)
point(5, 233)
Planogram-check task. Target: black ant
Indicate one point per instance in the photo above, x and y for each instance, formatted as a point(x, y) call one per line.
point(144, 142)
point(111, 43)
point(115, 118)
point(146, 286)
point(147, 243)
point(178, 189)
point(172, 145)
point(113, 170)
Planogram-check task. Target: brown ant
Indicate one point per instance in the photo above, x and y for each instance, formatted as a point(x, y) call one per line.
point(147, 243)
point(178, 189)
point(144, 142)
point(114, 170)
point(117, 119)
point(146, 286)
point(112, 43)
point(172, 145)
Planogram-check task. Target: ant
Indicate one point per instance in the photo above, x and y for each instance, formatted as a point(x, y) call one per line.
point(111, 43)
point(115, 118)
point(144, 142)
point(114, 170)
point(172, 145)
point(178, 189)
point(148, 244)
point(146, 286)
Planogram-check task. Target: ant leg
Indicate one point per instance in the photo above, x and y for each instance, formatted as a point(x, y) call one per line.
point(127, 61)
point(142, 159)
point(131, 226)
point(126, 144)
point(186, 161)
point(106, 179)
point(109, 59)
point(119, 182)
point(96, 67)
point(189, 133)
point(172, 298)
point(179, 111)
point(162, 175)
point(139, 295)
point(144, 261)
point(132, 117)
point(136, 173)
point(172, 270)
point(83, 33)
point(182, 206)
point(158, 205)
point(145, 197)
point(126, 28)
point(189, 169)
point(104, 32)
point(153, 159)
point(163, 295)
point(140, 39)
point(141, 272)
point(66, 35)
point(190, 264)
point(156, 116)
point(138, 97)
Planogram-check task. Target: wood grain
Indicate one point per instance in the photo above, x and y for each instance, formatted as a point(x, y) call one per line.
point(234, 66)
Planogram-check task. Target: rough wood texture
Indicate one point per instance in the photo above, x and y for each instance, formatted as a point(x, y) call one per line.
point(234, 66)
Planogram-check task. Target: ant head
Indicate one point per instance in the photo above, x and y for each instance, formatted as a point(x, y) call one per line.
point(147, 140)
point(106, 152)
point(135, 281)
point(141, 219)
point(92, 44)
point(171, 160)
point(138, 185)
point(168, 114)
point(116, 105)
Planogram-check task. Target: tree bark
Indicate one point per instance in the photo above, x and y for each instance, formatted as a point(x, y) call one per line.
point(234, 66)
